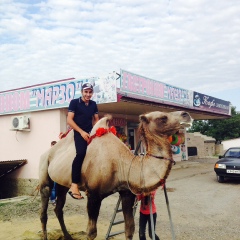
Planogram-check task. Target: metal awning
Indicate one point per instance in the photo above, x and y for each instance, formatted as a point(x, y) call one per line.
point(130, 109)
point(9, 166)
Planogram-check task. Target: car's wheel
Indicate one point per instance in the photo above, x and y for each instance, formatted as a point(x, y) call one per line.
point(220, 179)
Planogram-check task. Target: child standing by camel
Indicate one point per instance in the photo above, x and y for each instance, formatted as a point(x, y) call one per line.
point(145, 215)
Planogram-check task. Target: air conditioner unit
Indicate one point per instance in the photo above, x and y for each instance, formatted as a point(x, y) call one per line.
point(20, 123)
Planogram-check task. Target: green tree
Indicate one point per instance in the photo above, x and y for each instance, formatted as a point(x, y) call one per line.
point(220, 129)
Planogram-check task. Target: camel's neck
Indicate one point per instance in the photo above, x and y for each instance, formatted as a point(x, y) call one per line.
point(145, 173)
point(159, 146)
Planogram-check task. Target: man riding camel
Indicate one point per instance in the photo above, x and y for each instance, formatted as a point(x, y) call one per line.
point(82, 115)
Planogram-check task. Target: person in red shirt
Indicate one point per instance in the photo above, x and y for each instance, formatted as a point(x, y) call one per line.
point(145, 215)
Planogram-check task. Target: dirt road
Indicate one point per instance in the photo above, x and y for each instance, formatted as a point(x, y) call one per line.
point(201, 208)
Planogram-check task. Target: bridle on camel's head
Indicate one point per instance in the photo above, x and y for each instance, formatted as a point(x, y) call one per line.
point(149, 154)
point(169, 138)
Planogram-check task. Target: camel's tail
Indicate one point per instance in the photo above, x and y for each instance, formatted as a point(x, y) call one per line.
point(36, 189)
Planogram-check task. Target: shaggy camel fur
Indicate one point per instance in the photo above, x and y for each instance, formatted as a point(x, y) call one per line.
point(109, 167)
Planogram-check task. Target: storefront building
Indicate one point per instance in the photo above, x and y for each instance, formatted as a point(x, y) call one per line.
point(33, 116)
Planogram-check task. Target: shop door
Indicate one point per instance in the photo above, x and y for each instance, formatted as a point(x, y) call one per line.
point(131, 138)
point(192, 151)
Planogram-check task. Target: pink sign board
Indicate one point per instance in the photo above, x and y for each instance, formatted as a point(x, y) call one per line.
point(148, 88)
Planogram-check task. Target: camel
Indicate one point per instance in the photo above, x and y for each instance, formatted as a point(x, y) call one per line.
point(109, 167)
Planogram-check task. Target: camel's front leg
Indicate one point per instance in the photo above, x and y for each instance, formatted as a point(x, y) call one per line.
point(93, 207)
point(128, 200)
point(61, 199)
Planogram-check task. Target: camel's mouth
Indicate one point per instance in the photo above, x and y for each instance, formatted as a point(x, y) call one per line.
point(181, 125)
point(187, 125)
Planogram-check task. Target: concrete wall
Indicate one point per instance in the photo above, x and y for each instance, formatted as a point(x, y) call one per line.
point(205, 145)
point(13, 187)
point(219, 149)
point(231, 143)
point(209, 148)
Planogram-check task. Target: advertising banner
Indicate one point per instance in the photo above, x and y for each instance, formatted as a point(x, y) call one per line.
point(56, 94)
point(150, 89)
point(207, 103)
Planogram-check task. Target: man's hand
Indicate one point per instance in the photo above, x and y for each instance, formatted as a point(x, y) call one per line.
point(85, 135)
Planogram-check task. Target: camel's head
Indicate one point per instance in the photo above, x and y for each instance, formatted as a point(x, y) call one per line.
point(162, 123)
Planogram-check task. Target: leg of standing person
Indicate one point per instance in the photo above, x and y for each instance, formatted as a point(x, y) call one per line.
point(81, 147)
point(154, 225)
point(53, 193)
point(143, 218)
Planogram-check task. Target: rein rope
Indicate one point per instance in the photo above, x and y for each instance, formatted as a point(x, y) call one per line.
point(169, 159)
point(142, 157)
point(135, 155)
point(162, 181)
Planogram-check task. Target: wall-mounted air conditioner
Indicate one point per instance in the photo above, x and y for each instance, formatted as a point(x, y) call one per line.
point(21, 123)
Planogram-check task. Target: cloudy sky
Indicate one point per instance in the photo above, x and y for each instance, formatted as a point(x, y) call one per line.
point(192, 44)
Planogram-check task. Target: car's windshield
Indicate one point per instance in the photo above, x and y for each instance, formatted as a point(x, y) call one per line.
point(234, 153)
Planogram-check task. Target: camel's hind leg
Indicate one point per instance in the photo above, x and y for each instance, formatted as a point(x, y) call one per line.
point(45, 193)
point(128, 200)
point(60, 202)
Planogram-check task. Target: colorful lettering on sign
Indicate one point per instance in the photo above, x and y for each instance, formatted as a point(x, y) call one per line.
point(176, 94)
point(207, 102)
point(219, 105)
point(15, 101)
point(148, 88)
point(118, 122)
point(57, 94)
point(211, 104)
point(144, 86)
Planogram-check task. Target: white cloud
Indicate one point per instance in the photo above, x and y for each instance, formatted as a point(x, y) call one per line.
point(189, 44)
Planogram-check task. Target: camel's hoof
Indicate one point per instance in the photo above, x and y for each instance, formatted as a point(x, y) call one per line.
point(91, 236)
point(68, 237)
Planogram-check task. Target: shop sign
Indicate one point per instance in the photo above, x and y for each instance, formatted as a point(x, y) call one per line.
point(56, 94)
point(152, 89)
point(118, 122)
point(178, 95)
point(205, 102)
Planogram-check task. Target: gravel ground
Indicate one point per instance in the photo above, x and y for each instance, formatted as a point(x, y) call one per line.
point(201, 208)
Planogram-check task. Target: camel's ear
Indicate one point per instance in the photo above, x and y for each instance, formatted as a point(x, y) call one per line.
point(143, 118)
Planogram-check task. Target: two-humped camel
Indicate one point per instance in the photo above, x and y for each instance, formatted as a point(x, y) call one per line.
point(109, 167)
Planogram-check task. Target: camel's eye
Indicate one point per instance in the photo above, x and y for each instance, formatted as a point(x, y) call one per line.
point(185, 114)
point(162, 119)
